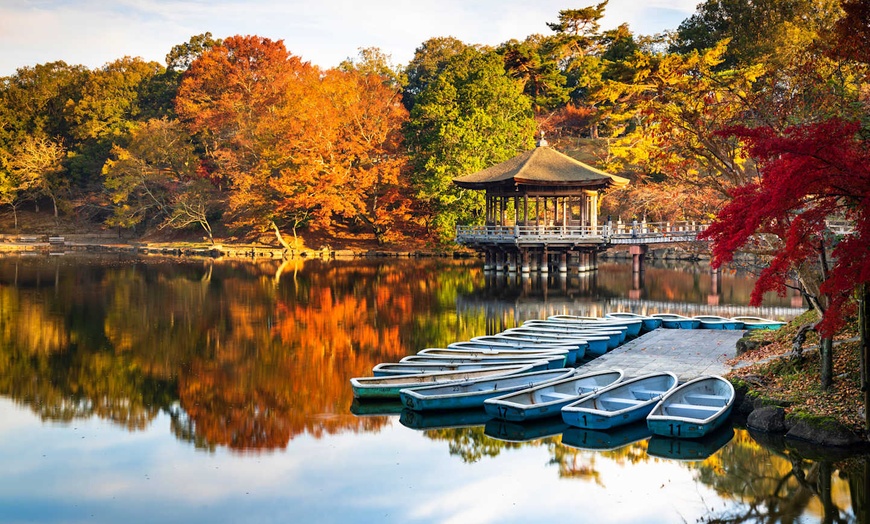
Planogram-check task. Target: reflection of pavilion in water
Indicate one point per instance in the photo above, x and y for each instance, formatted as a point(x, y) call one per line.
point(509, 299)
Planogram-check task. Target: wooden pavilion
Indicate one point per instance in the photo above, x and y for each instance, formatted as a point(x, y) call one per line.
point(541, 212)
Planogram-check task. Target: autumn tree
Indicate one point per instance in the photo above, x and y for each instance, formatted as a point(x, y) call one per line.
point(156, 178)
point(37, 164)
point(471, 116)
point(809, 174)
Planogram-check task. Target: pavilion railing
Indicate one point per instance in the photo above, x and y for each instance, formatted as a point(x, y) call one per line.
point(610, 232)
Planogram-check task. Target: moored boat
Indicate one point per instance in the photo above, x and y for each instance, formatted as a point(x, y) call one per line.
point(693, 409)
point(473, 393)
point(759, 323)
point(623, 403)
point(716, 322)
point(578, 346)
point(647, 323)
point(554, 361)
point(616, 333)
point(389, 387)
point(506, 352)
point(674, 321)
point(386, 369)
point(597, 342)
point(574, 353)
point(632, 326)
point(547, 400)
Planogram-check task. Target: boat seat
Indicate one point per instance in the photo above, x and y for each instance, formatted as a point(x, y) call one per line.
point(707, 400)
point(554, 396)
point(613, 404)
point(690, 410)
point(646, 394)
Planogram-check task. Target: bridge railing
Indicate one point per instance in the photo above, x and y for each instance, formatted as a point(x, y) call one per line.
point(614, 232)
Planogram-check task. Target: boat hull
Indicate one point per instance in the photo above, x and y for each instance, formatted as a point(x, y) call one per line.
point(693, 409)
point(389, 387)
point(473, 393)
point(621, 404)
point(547, 400)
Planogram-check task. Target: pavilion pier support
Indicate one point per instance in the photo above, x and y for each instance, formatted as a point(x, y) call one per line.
point(563, 262)
point(545, 262)
point(524, 262)
point(488, 262)
point(593, 261)
point(512, 261)
point(638, 252)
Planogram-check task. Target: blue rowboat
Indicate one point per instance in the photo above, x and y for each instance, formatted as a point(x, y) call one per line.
point(607, 440)
point(598, 341)
point(647, 323)
point(623, 403)
point(577, 345)
point(758, 323)
point(693, 409)
point(389, 387)
point(674, 321)
point(716, 322)
point(554, 361)
point(387, 369)
point(574, 353)
point(633, 326)
point(472, 393)
point(505, 352)
point(549, 326)
point(547, 400)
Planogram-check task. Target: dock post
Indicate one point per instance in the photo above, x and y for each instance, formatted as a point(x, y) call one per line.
point(637, 257)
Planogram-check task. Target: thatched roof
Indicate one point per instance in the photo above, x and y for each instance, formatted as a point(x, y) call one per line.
point(541, 166)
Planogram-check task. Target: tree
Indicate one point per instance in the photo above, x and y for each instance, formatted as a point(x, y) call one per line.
point(533, 61)
point(156, 178)
point(808, 175)
point(471, 116)
point(37, 164)
point(429, 61)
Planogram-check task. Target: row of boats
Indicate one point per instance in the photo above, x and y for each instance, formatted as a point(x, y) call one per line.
point(526, 374)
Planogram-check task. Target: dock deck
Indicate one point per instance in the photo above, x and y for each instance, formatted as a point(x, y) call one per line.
point(688, 353)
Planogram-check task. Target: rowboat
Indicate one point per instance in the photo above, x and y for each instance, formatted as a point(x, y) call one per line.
point(623, 403)
point(632, 325)
point(578, 346)
point(473, 393)
point(547, 400)
point(693, 409)
point(386, 369)
point(717, 322)
point(389, 387)
point(554, 361)
point(758, 323)
point(507, 352)
point(574, 353)
point(617, 334)
point(647, 323)
point(608, 440)
point(596, 343)
point(674, 321)
point(693, 450)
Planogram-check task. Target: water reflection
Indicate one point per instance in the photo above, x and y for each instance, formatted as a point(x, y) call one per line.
point(250, 357)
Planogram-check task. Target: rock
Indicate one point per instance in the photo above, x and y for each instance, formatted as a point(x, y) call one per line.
point(748, 344)
point(832, 434)
point(769, 419)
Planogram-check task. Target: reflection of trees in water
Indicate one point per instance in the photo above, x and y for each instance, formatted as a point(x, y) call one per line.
point(234, 354)
point(773, 484)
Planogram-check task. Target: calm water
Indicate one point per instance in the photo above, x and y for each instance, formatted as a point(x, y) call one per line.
point(217, 391)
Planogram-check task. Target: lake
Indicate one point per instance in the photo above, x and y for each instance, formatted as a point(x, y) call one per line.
point(189, 390)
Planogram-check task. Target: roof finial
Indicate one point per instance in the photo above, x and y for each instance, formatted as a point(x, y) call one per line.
point(541, 141)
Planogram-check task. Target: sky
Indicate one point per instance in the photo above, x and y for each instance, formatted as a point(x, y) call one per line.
point(323, 32)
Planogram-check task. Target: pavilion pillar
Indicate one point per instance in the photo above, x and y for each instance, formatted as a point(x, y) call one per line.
point(593, 261)
point(487, 260)
point(637, 251)
point(545, 262)
point(524, 262)
point(512, 261)
point(563, 262)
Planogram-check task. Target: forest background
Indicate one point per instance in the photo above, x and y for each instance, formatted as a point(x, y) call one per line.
point(238, 139)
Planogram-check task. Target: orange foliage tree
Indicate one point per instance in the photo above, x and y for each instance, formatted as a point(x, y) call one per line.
point(296, 146)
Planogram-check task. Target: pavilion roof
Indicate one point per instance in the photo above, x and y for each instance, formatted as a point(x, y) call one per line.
point(542, 166)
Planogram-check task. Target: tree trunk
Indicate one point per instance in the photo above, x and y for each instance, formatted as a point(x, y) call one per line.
point(280, 237)
point(864, 349)
point(797, 344)
point(826, 357)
